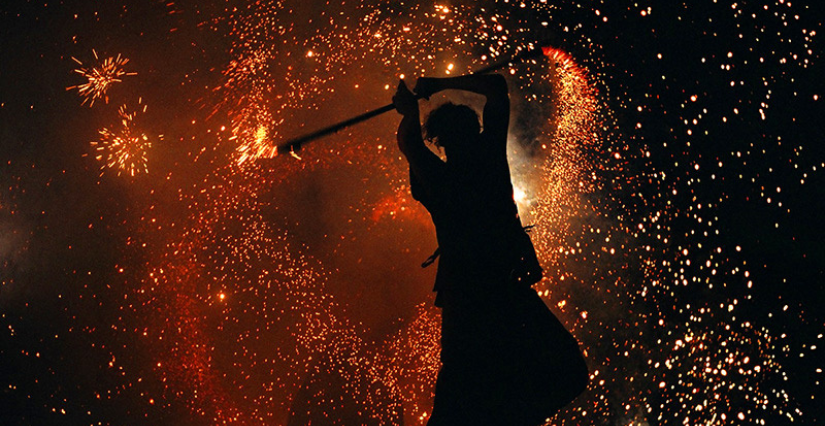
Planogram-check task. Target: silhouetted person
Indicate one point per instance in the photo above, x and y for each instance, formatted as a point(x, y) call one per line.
point(506, 360)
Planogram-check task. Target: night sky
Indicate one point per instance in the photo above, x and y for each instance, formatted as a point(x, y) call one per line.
point(161, 266)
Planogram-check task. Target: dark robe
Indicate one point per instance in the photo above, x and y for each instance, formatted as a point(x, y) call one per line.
point(506, 360)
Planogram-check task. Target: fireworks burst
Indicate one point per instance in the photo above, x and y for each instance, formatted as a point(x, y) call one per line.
point(123, 148)
point(100, 77)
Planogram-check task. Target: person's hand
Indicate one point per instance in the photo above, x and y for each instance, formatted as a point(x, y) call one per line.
point(426, 86)
point(404, 100)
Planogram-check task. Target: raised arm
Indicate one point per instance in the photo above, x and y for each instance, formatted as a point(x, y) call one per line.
point(492, 86)
point(424, 165)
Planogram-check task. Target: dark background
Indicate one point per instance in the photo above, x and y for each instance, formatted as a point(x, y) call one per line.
point(66, 231)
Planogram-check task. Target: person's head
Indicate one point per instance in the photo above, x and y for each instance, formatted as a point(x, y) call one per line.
point(452, 126)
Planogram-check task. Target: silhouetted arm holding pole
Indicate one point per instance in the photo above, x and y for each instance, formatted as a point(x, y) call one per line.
point(405, 102)
point(296, 143)
point(424, 164)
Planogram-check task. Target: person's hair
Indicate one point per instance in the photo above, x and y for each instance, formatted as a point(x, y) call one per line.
point(450, 122)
